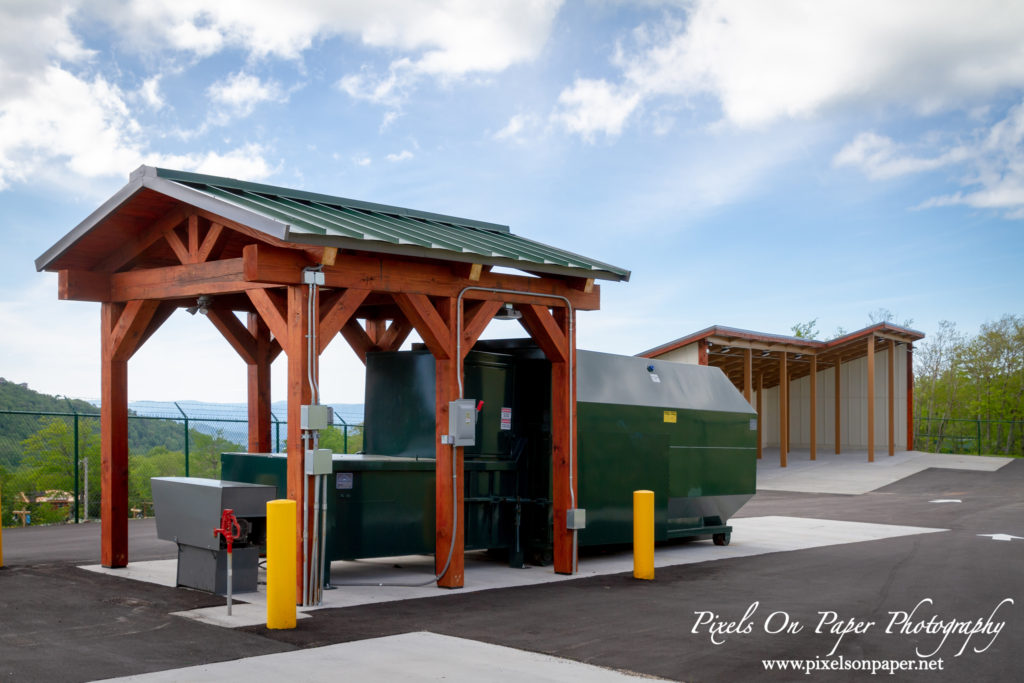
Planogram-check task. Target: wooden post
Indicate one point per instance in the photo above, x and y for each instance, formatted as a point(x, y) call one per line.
point(299, 394)
point(259, 387)
point(814, 407)
point(838, 410)
point(871, 398)
point(447, 389)
point(910, 397)
point(760, 411)
point(563, 433)
point(114, 443)
point(892, 397)
point(702, 352)
point(783, 409)
point(748, 355)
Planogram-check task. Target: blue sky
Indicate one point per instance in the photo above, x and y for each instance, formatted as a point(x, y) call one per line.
point(753, 164)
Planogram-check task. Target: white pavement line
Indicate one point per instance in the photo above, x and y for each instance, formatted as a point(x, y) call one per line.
point(751, 536)
point(419, 656)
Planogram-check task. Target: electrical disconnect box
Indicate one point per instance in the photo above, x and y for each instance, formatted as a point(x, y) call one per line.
point(319, 461)
point(462, 422)
point(316, 417)
point(576, 519)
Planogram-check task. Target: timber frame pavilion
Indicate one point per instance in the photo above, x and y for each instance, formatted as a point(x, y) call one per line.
point(756, 362)
point(169, 237)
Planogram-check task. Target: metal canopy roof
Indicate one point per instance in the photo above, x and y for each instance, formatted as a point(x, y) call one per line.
point(324, 220)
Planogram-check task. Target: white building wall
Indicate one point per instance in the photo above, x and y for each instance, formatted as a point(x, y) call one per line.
point(684, 354)
point(853, 406)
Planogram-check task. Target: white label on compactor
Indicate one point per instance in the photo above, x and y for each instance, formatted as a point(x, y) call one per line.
point(506, 418)
point(343, 481)
point(654, 378)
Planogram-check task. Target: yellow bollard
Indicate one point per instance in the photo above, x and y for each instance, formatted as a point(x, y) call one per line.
point(281, 549)
point(643, 535)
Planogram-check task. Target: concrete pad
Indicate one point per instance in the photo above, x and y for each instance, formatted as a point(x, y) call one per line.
point(242, 614)
point(417, 656)
point(851, 473)
point(751, 536)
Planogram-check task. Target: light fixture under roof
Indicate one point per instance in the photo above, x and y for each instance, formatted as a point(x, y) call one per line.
point(202, 305)
point(508, 312)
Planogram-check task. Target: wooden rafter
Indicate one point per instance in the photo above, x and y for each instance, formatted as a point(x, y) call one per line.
point(130, 328)
point(336, 312)
point(475, 321)
point(396, 334)
point(132, 247)
point(273, 309)
point(235, 332)
point(541, 325)
point(420, 312)
point(357, 338)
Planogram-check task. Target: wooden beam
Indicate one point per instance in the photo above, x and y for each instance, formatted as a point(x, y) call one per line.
point(357, 338)
point(702, 352)
point(475, 271)
point(449, 530)
point(375, 329)
point(892, 396)
point(132, 324)
point(760, 412)
point(475, 320)
point(113, 443)
point(563, 440)
point(83, 285)
point(783, 409)
point(428, 323)
point(258, 375)
point(396, 334)
point(838, 412)
point(235, 332)
point(299, 394)
point(133, 246)
point(329, 256)
point(910, 397)
point(163, 312)
point(272, 308)
point(747, 372)
point(268, 265)
point(179, 248)
point(337, 313)
point(213, 236)
point(192, 229)
point(542, 326)
point(871, 397)
point(814, 407)
point(174, 282)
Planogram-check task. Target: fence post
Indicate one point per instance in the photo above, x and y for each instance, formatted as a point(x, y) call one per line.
point(186, 434)
point(277, 433)
point(344, 432)
point(978, 424)
point(77, 455)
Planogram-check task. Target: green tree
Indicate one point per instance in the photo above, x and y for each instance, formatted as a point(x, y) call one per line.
point(807, 330)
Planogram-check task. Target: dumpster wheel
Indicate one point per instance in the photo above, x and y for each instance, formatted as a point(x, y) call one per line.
point(721, 539)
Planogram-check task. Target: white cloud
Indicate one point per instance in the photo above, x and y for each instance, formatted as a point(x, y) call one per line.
point(401, 156)
point(150, 92)
point(362, 161)
point(238, 94)
point(32, 34)
point(595, 106)
point(763, 62)
point(990, 163)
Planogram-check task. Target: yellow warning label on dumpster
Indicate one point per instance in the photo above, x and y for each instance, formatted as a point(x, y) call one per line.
point(670, 416)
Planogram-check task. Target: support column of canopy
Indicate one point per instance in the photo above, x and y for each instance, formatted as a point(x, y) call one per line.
point(838, 409)
point(814, 407)
point(556, 336)
point(783, 410)
point(892, 396)
point(748, 372)
point(124, 329)
point(910, 397)
point(760, 412)
point(871, 397)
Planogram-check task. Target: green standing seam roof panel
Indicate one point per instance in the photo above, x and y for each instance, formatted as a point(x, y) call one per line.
point(307, 213)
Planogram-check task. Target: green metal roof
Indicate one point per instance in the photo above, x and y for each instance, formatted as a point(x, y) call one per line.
point(311, 218)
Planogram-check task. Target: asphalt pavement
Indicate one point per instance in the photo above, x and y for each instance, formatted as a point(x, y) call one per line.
point(904, 601)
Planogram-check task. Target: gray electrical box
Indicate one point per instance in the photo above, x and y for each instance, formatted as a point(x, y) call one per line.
point(319, 461)
point(462, 422)
point(576, 519)
point(315, 417)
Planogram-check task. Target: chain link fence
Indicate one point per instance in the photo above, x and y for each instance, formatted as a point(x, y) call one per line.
point(979, 437)
point(50, 461)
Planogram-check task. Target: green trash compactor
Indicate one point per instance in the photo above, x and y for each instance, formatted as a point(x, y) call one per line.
point(682, 431)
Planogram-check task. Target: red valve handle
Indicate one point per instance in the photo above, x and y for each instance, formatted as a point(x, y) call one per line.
point(228, 528)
